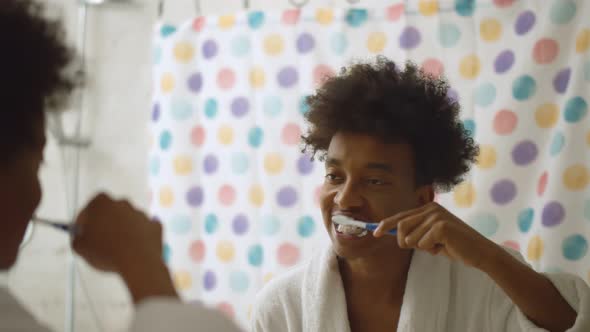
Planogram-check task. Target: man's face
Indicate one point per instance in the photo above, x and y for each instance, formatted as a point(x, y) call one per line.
point(20, 194)
point(367, 180)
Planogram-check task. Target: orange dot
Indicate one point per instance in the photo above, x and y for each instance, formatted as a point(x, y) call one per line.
point(576, 177)
point(183, 165)
point(395, 12)
point(588, 139)
point(470, 67)
point(291, 16)
point(547, 115)
point(487, 157)
point(198, 23)
point(288, 254)
point(166, 197)
point(183, 280)
point(167, 82)
point(583, 41)
point(535, 248)
point(197, 251)
point(464, 195)
point(505, 122)
point(511, 244)
point(433, 67)
point(198, 136)
point(376, 42)
point(545, 51)
point(542, 185)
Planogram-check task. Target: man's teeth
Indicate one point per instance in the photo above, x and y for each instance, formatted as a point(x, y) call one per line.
point(351, 230)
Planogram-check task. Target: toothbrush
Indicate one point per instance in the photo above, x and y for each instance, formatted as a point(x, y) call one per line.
point(344, 220)
point(69, 228)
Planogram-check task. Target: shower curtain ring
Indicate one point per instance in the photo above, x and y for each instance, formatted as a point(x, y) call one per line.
point(352, 2)
point(246, 4)
point(299, 4)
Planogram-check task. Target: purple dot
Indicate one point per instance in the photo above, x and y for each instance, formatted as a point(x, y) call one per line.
point(503, 192)
point(210, 164)
point(561, 80)
point(524, 153)
point(240, 224)
point(287, 77)
point(305, 43)
point(553, 214)
point(504, 61)
point(287, 197)
point(195, 82)
point(240, 106)
point(209, 280)
point(156, 112)
point(410, 38)
point(524, 22)
point(304, 165)
point(453, 95)
point(194, 196)
point(209, 49)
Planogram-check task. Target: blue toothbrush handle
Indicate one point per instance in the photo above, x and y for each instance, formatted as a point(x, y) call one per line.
point(372, 227)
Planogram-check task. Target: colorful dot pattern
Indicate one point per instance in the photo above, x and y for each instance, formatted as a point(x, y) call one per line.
point(239, 200)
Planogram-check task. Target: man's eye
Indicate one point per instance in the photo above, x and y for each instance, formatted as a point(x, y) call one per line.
point(376, 182)
point(332, 178)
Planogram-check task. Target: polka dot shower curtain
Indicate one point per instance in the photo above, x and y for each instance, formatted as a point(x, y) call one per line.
point(239, 200)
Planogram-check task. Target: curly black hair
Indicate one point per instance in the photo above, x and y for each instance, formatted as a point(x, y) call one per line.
point(397, 106)
point(37, 72)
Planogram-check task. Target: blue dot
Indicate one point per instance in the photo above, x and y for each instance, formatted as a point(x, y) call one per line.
point(166, 253)
point(448, 35)
point(525, 219)
point(587, 71)
point(587, 210)
point(270, 225)
point(465, 7)
point(211, 223)
point(255, 137)
point(470, 127)
point(155, 166)
point(256, 255)
point(306, 226)
point(240, 163)
point(575, 109)
point(562, 11)
point(239, 281)
point(303, 105)
point(165, 140)
point(157, 55)
point(272, 106)
point(524, 87)
point(167, 30)
point(180, 224)
point(211, 108)
point(240, 46)
point(486, 224)
point(181, 109)
point(485, 95)
point(356, 17)
point(574, 247)
point(255, 19)
point(557, 144)
point(338, 43)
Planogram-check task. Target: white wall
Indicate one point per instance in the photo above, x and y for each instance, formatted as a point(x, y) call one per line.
point(116, 113)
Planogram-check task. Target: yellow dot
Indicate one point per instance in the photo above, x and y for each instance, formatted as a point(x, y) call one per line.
point(183, 165)
point(490, 30)
point(273, 163)
point(588, 139)
point(182, 280)
point(166, 197)
point(547, 115)
point(257, 78)
point(535, 248)
point(576, 177)
point(267, 277)
point(183, 52)
point(273, 44)
point(487, 157)
point(464, 195)
point(376, 42)
point(225, 251)
point(324, 16)
point(589, 276)
point(469, 67)
point(152, 141)
point(583, 41)
point(249, 312)
point(225, 135)
point(256, 195)
point(226, 21)
point(428, 7)
point(167, 82)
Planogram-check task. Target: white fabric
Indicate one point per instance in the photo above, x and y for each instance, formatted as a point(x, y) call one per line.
point(157, 315)
point(440, 295)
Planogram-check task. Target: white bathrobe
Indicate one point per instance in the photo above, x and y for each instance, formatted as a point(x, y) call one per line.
point(440, 295)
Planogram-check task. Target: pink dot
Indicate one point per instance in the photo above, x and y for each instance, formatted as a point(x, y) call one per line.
point(227, 195)
point(226, 79)
point(503, 3)
point(542, 184)
point(505, 122)
point(545, 50)
point(198, 136)
point(288, 254)
point(226, 309)
point(199, 23)
point(317, 195)
point(511, 244)
point(395, 12)
point(197, 251)
point(291, 134)
point(291, 16)
point(433, 67)
point(321, 73)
